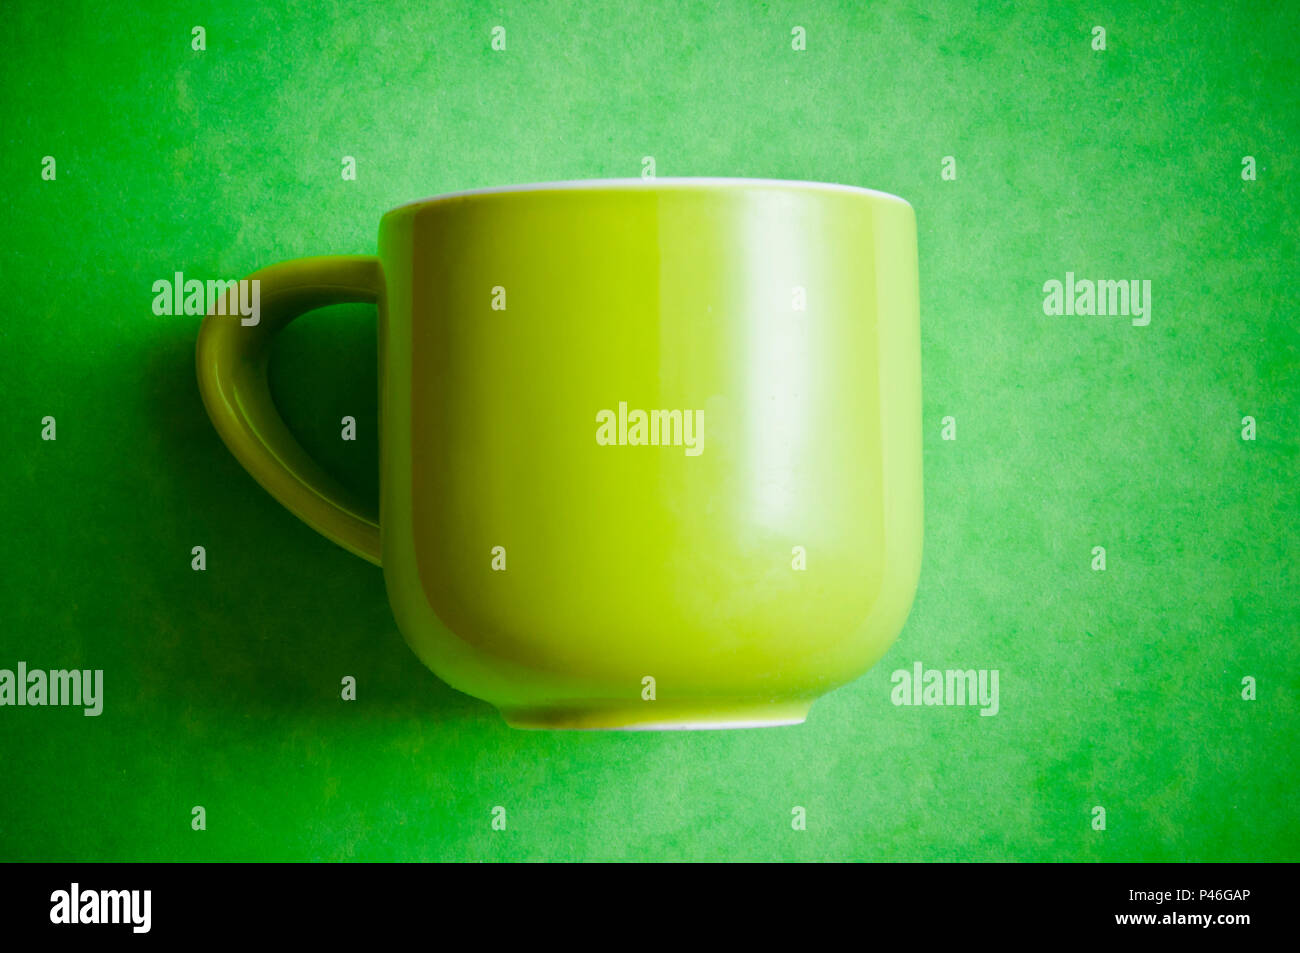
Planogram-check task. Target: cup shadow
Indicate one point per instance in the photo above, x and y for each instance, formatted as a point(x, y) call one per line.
point(280, 615)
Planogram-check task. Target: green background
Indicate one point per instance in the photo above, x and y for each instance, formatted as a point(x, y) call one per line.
point(1119, 688)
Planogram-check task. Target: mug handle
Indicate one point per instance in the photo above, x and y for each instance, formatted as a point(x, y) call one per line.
point(232, 361)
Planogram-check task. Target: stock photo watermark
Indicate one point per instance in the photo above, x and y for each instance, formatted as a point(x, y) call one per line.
point(100, 907)
point(946, 687)
point(178, 295)
point(37, 688)
point(1128, 298)
point(654, 428)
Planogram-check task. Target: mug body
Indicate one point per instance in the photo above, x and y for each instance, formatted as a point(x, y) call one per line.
point(651, 450)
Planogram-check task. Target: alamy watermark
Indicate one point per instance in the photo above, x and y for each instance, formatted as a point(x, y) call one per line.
point(933, 686)
point(177, 295)
point(653, 428)
point(73, 687)
point(1130, 298)
point(130, 907)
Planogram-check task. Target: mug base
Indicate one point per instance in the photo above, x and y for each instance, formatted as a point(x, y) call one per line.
point(658, 716)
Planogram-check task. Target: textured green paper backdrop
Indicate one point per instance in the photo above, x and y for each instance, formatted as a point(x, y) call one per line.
point(1119, 688)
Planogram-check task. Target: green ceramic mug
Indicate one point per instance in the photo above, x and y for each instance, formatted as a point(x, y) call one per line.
point(650, 450)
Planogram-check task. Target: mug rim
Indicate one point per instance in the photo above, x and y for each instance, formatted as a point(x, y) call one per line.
point(639, 184)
